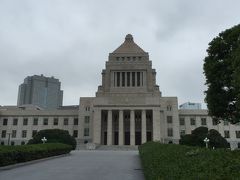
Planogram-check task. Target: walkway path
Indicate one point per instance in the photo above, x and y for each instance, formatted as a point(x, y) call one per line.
point(82, 165)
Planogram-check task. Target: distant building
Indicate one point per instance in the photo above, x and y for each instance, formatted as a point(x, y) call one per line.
point(190, 105)
point(41, 91)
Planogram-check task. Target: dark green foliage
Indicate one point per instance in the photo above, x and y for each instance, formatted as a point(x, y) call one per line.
point(222, 71)
point(176, 162)
point(216, 140)
point(54, 136)
point(199, 134)
point(23, 153)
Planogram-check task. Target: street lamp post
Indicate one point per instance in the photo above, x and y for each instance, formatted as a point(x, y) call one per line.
point(44, 140)
point(206, 140)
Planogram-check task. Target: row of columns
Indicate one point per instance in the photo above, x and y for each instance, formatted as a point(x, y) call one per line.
point(121, 128)
point(127, 78)
point(97, 127)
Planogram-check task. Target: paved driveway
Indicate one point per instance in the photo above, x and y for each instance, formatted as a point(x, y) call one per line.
point(81, 165)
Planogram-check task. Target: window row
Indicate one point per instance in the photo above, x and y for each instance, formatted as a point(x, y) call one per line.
point(36, 121)
point(134, 58)
point(203, 121)
point(24, 133)
point(127, 79)
point(227, 134)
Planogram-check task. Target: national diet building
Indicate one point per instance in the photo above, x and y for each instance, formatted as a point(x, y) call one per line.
point(128, 109)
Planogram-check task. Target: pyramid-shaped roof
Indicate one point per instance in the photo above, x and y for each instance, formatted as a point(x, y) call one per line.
point(129, 46)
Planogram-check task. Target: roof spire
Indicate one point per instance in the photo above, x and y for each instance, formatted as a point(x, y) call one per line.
point(129, 38)
point(129, 46)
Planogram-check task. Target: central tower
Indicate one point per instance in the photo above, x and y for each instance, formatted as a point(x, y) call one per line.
point(128, 71)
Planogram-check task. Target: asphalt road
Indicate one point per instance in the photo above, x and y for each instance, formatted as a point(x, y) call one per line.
point(81, 165)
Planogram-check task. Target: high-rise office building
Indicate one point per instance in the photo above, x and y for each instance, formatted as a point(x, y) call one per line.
point(42, 91)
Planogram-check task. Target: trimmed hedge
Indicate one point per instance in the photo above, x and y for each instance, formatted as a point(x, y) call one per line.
point(172, 161)
point(16, 154)
point(54, 136)
point(199, 134)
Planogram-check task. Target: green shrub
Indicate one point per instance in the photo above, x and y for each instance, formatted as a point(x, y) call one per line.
point(172, 161)
point(23, 153)
point(199, 134)
point(54, 136)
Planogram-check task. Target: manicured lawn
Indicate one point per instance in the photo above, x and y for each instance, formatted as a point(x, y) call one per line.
point(171, 161)
point(16, 154)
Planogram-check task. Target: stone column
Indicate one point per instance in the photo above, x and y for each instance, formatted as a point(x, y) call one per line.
point(120, 130)
point(156, 124)
point(144, 129)
point(132, 128)
point(97, 126)
point(109, 128)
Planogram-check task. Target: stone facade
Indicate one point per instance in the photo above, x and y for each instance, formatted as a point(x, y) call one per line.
point(128, 109)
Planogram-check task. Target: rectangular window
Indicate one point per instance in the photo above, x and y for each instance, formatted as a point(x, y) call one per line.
point(182, 133)
point(203, 121)
point(123, 79)
point(5, 122)
point(192, 121)
point(15, 121)
point(226, 134)
point(4, 132)
point(25, 121)
point(14, 133)
point(169, 119)
point(128, 79)
point(86, 131)
point(133, 79)
point(75, 133)
point(75, 121)
point(182, 121)
point(214, 122)
point(237, 134)
point(34, 132)
point(118, 79)
point(55, 121)
point(24, 134)
point(45, 121)
point(87, 119)
point(225, 123)
point(114, 78)
point(138, 78)
point(35, 121)
point(65, 121)
point(170, 132)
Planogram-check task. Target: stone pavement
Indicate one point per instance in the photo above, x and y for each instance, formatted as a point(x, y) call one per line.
point(82, 165)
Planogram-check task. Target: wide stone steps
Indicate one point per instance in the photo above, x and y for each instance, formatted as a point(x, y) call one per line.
point(106, 148)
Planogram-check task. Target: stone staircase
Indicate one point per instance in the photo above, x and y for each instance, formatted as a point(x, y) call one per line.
point(117, 148)
point(91, 146)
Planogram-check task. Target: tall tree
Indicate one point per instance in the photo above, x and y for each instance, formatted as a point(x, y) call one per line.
point(222, 71)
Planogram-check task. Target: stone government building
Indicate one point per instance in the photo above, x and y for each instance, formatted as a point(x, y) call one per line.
point(128, 109)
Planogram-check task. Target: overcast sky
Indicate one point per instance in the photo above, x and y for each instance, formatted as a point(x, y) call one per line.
point(71, 39)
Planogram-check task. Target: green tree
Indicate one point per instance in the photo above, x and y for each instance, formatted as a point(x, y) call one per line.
point(222, 71)
point(54, 136)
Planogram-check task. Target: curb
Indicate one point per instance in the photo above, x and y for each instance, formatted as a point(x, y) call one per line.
point(12, 166)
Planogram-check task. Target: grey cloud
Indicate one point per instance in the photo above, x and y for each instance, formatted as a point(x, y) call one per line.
point(71, 41)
